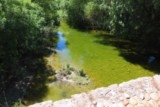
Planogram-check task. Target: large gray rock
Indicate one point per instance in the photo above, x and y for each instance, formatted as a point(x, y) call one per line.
point(141, 92)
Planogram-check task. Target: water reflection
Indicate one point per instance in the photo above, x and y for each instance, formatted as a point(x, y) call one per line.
point(62, 49)
point(61, 45)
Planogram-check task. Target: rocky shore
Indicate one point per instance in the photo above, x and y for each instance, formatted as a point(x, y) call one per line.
point(141, 92)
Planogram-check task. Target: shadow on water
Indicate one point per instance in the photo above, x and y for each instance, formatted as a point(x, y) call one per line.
point(130, 51)
point(38, 88)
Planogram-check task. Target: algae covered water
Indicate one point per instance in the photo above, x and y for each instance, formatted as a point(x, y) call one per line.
point(102, 63)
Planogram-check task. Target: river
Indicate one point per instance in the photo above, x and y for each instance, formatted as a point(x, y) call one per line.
point(102, 63)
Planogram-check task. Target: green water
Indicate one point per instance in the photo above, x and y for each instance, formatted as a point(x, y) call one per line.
point(102, 63)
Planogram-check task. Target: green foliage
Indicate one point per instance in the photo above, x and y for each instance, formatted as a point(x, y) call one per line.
point(82, 73)
point(130, 19)
point(50, 8)
point(76, 15)
point(88, 14)
point(17, 104)
point(97, 14)
point(25, 37)
point(19, 31)
point(52, 78)
point(137, 21)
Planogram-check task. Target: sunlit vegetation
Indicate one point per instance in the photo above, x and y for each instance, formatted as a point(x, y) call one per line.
point(133, 20)
point(111, 40)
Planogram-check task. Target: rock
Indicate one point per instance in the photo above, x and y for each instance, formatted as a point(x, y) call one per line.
point(150, 90)
point(120, 98)
point(120, 90)
point(158, 93)
point(102, 103)
point(116, 105)
point(62, 103)
point(157, 81)
point(154, 96)
point(127, 96)
point(94, 104)
point(153, 103)
point(158, 103)
point(125, 102)
point(139, 105)
point(81, 100)
point(133, 101)
point(142, 96)
point(137, 99)
point(142, 92)
point(130, 105)
point(147, 97)
point(147, 104)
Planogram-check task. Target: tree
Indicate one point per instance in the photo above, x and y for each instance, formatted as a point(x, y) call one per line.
point(137, 21)
point(23, 43)
point(76, 15)
point(50, 8)
point(97, 13)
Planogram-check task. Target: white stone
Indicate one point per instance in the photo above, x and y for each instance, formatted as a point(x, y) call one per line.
point(62, 103)
point(147, 97)
point(153, 103)
point(157, 81)
point(141, 96)
point(130, 105)
point(158, 93)
point(137, 99)
point(127, 96)
point(140, 105)
point(102, 103)
point(158, 103)
point(94, 102)
point(121, 98)
point(117, 105)
point(125, 102)
point(133, 101)
point(81, 100)
point(154, 96)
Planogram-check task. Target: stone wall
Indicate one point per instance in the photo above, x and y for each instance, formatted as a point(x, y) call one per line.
point(141, 92)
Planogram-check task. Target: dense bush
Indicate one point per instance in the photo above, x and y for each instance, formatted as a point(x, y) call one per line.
point(50, 8)
point(97, 13)
point(92, 14)
point(25, 35)
point(135, 20)
point(21, 33)
point(76, 16)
